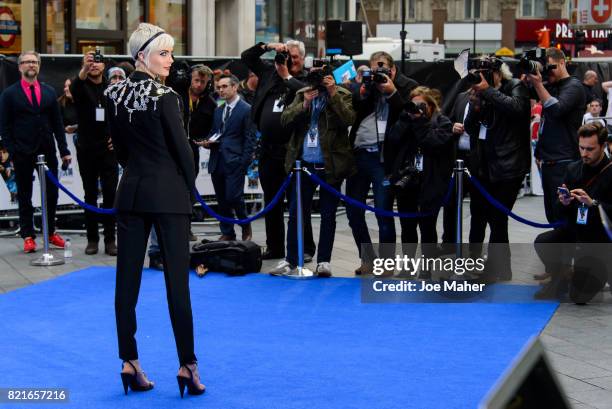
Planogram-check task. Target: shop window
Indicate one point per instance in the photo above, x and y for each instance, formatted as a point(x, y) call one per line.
point(266, 21)
point(533, 8)
point(171, 15)
point(58, 41)
point(472, 9)
point(135, 14)
point(98, 14)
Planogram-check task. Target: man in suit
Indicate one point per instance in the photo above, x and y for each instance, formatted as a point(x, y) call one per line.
point(31, 120)
point(231, 143)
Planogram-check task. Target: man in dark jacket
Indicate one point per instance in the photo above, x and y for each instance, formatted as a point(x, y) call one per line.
point(95, 155)
point(31, 126)
point(586, 187)
point(276, 88)
point(563, 105)
point(377, 105)
point(498, 124)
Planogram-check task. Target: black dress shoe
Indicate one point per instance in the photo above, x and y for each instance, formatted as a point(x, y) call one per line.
point(307, 258)
point(268, 255)
point(156, 262)
point(92, 248)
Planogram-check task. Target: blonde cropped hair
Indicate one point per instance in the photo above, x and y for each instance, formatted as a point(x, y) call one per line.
point(428, 95)
point(144, 33)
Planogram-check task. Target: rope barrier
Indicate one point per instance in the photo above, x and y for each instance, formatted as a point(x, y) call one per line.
point(78, 201)
point(508, 212)
point(248, 220)
point(385, 213)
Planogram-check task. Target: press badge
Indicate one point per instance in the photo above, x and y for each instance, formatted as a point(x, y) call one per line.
point(99, 114)
point(381, 126)
point(279, 105)
point(313, 141)
point(418, 162)
point(483, 132)
point(583, 213)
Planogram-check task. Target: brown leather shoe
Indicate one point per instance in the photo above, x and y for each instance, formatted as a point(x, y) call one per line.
point(92, 248)
point(110, 248)
point(247, 232)
point(226, 238)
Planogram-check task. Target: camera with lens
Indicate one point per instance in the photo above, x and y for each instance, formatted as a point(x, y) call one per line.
point(377, 76)
point(283, 58)
point(534, 61)
point(477, 66)
point(412, 108)
point(321, 68)
point(98, 57)
point(408, 177)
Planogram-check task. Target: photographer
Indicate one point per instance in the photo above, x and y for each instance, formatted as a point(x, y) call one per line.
point(498, 123)
point(563, 101)
point(319, 118)
point(422, 169)
point(95, 155)
point(586, 186)
point(378, 103)
point(276, 89)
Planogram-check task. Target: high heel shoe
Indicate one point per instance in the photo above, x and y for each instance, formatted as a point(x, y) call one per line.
point(192, 387)
point(131, 380)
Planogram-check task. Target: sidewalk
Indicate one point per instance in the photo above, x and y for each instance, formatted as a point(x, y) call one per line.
point(578, 339)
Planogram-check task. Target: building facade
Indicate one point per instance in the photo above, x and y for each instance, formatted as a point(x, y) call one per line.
point(200, 27)
point(457, 23)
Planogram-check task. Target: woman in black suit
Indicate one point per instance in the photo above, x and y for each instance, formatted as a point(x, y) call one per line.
point(146, 127)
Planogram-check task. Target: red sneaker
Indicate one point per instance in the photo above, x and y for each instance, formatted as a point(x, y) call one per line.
point(29, 245)
point(57, 240)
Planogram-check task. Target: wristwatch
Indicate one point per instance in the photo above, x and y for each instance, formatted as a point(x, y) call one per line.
point(595, 203)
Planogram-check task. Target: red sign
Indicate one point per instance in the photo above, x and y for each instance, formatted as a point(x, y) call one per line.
point(601, 10)
point(527, 29)
point(9, 27)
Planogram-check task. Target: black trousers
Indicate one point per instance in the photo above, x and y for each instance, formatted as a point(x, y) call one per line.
point(483, 213)
point(407, 202)
point(272, 175)
point(552, 178)
point(132, 236)
point(100, 166)
point(196, 156)
point(24, 165)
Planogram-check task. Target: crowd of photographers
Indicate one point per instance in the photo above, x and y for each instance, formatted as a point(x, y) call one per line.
point(379, 132)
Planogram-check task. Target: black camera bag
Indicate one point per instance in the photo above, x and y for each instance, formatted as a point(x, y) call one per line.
point(232, 257)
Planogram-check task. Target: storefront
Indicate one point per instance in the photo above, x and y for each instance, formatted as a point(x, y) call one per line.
point(281, 20)
point(70, 26)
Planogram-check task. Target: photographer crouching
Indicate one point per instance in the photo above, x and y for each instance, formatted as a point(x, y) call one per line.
point(319, 117)
point(498, 123)
point(422, 168)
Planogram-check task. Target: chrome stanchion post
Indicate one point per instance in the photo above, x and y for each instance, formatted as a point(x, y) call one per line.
point(459, 169)
point(47, 259)
point(302, 273)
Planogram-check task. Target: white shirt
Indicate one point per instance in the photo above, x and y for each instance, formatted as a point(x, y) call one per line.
point(587, 118)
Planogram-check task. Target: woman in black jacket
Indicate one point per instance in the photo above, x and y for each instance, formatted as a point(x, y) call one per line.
point(423, 166)
point(147, 131)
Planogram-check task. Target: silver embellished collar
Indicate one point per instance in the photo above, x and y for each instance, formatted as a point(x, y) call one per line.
point(136, 95)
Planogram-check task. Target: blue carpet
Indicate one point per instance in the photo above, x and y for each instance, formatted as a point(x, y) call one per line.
point(263, 342)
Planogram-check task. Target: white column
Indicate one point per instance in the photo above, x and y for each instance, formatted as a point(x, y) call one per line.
point(202, 20)
point(235, 24)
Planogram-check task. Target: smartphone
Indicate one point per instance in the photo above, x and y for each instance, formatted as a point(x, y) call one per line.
point(564, 191)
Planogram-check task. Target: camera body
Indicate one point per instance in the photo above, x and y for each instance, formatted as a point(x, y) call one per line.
point(412, 108)
point(477, 66)
point(407, 177)
point(283, 58)
point(98, 57)
point(320, 69)
point(377, 76)
point(534, 61)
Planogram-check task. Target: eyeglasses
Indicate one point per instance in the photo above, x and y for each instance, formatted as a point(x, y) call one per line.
point(29, 62)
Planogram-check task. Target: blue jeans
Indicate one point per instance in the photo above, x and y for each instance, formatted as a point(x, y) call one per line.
point(328, 204)
point(370, 172)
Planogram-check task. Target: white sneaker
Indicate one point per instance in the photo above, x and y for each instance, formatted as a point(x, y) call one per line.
point(282, 268)
point(324, 270)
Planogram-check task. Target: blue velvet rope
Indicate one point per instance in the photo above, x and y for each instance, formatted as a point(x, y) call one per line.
point(248, 220)
point(78, 201)
point(385, 213)
point(508, 212)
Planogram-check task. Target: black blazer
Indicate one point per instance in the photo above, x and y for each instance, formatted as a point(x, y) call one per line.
point(28, 130)
point(237, 143)
point(150, 142)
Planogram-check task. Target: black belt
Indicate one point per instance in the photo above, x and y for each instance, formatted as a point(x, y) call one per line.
point(555, 162)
